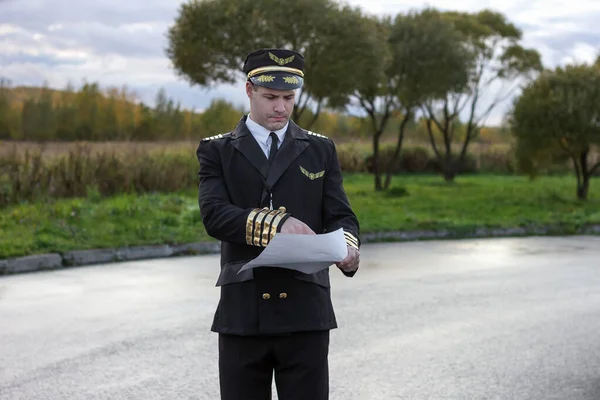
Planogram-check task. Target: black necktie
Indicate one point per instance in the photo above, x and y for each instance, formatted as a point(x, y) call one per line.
point(273, 150)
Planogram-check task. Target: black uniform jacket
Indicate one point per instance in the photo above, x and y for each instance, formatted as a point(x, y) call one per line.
point(237, 186)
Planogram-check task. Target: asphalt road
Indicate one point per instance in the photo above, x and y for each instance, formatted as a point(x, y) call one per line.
point(486, 319)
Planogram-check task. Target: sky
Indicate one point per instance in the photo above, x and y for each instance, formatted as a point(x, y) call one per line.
point(118, 43)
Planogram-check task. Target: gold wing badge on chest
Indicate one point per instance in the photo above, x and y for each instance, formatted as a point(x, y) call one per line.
point(312, 175)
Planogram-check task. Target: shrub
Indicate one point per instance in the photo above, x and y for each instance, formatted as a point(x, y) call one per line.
point(32, 176)
point(75, 170)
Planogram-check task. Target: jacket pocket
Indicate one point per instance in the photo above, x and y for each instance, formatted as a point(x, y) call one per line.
point(229, 273)
point(321, 278)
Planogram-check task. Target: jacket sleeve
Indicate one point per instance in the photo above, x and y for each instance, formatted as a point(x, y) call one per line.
point(337, 212)
point(223, 220)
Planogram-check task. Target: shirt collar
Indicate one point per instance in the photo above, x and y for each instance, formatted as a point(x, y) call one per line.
point(261, 133)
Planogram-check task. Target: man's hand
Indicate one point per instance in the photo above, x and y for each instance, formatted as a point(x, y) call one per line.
point(350, 263)
point(293, 225)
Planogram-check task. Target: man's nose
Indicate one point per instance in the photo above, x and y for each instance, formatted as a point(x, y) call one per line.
point(279, 105)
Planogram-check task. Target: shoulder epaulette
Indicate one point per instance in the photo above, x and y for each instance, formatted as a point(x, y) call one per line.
point(317, 134)
point(221, 136)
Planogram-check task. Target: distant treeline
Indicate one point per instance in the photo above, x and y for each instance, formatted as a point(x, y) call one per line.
point(94, 114)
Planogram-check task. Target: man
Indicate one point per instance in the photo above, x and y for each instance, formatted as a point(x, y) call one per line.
point(265, 177)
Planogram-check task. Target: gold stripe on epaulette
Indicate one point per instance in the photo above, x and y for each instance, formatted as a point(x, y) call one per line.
point(316, 134)
point(219, 136)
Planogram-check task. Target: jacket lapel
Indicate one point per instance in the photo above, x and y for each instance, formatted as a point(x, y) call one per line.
point(294, 143)
point(245, 143)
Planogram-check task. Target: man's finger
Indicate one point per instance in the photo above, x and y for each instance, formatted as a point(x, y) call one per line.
point(350, 265)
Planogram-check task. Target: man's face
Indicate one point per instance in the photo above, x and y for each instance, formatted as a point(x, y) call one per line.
point(269, 107)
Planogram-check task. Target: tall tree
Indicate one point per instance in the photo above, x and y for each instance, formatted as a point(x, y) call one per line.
point(39, 117)
point(88, 106)
point(500, 61)
point(219, 117)
point(557, 118)
point(209, 41)
point(423, 60)
point(66, 114)
point(375, 92)
point(5, 110)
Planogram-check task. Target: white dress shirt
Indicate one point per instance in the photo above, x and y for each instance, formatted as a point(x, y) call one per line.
point(263, 135)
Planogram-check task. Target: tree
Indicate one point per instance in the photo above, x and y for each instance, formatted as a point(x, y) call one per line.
point(557, 117)
point(375, 94)
point(87, 103)
point(66, 114)
point(5, 109)
point(39, 117)
point(209, 40)
point(423, 60)
point(499, 61)
point(219, 117)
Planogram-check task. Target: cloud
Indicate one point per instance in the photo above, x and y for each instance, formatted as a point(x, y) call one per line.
point(116, 42)
point(39, 14)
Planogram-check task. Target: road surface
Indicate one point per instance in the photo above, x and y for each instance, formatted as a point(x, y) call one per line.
point(471, 319)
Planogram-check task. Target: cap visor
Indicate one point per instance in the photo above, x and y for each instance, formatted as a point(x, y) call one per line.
point(278, 80)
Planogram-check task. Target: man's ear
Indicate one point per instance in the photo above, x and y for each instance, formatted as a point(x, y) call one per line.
point(249, 89)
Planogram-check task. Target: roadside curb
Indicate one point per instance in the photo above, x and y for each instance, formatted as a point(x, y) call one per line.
point(76, 258)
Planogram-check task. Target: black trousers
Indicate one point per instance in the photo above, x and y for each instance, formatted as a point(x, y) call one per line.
point(299, 362)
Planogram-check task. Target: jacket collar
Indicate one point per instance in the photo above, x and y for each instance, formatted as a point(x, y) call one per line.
point(241, 130)
point(294, 144)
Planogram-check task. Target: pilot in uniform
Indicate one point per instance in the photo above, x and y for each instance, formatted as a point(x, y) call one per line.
point(254, 182)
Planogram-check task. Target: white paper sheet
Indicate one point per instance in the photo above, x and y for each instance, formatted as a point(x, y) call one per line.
point(305, 253)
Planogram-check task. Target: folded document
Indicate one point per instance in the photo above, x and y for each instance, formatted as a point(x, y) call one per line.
point(305, 253)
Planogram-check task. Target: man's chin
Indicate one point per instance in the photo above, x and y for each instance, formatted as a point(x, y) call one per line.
point(277, 125)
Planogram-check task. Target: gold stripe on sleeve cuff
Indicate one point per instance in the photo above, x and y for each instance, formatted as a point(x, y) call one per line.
point(275, 225)
point(258, 222)
point(250, 224)
point(266, 229)
point(351, 240)
point(262, 225)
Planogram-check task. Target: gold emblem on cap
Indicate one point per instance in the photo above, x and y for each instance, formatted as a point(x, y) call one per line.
point(281, 61)
point(291, 80)
point(266, 78)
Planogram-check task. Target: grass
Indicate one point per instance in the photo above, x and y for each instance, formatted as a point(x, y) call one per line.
point(473, 202)
point(414, 203)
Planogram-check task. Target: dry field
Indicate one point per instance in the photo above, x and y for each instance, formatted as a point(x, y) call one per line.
point(52, 149)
